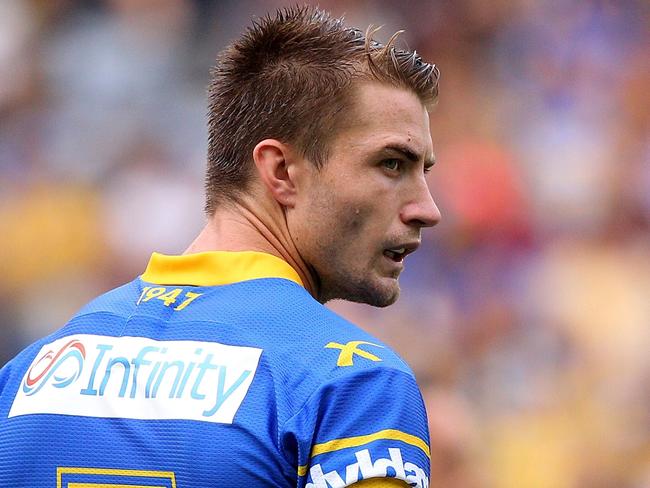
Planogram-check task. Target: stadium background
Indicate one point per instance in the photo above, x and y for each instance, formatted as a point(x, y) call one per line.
point(526, 314)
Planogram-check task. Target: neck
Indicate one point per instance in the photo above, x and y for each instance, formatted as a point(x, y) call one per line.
point(244, 226)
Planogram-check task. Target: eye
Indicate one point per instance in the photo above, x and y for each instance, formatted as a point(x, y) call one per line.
point(392, 164)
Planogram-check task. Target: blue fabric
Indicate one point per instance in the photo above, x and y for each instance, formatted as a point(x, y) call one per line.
point(94, 402)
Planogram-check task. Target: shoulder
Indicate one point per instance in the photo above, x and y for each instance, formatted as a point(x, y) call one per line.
point(356, 409)
point(319, 345)
point(119, 301)
point(96, 317)
point(363, 417)
point(341, 348)
point(327, 361)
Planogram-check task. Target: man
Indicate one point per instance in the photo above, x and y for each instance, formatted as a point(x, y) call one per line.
point(221, 367)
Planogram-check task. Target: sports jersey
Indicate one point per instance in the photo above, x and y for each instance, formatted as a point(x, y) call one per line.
point(214, 369)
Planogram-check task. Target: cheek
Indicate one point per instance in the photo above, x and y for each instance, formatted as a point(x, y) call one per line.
point(348, 220)
point(355, 221)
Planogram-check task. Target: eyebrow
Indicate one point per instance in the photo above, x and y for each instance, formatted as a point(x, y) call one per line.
point(410, 154)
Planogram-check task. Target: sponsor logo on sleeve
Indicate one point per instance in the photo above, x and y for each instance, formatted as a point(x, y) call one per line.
point(137, 377)
point(364, 468)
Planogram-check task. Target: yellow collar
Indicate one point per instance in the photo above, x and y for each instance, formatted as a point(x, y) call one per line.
point(216, 268)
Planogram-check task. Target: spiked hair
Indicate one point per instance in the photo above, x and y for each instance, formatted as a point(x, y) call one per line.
point(289, 77)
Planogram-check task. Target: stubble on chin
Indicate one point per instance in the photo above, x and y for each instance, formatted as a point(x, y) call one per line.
point(359, 290)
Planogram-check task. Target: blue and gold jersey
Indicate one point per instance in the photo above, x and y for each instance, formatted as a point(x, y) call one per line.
point(211, 369)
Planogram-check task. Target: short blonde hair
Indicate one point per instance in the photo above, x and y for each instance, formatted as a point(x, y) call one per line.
point(289, 77)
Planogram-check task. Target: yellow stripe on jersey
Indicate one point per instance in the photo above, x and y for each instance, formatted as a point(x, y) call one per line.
point(387, 434)
point(104, 485)
point(360, 440)
point(131, 473)
point(216, 268)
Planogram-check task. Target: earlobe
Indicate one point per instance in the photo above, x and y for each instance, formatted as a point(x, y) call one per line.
point(272, 159)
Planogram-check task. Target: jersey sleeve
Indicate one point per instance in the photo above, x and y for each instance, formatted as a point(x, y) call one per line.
point(366, 424)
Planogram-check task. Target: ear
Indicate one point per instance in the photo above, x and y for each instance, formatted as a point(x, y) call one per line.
point(273, 160)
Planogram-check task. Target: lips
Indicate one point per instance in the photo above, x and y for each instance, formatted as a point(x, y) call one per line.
point(399, 252)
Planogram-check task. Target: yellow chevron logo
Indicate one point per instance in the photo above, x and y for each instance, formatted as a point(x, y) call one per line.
point(349, 350)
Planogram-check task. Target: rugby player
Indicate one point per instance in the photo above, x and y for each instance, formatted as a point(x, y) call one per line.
point(221, 367)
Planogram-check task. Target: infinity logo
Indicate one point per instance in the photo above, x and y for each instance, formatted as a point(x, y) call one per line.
point(137, 378)
point(45, 368)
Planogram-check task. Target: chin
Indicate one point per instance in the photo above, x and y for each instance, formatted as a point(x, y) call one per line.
point(385, 297)
point(382, 301)
point(377, 294)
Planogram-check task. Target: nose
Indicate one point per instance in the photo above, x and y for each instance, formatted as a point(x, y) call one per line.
point(420, 209)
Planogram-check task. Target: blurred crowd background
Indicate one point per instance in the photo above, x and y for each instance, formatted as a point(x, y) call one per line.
point(526, 314)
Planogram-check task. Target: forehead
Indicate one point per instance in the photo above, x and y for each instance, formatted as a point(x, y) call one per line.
point(381, 114)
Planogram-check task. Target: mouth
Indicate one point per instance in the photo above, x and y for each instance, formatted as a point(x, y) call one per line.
point(399, 252)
